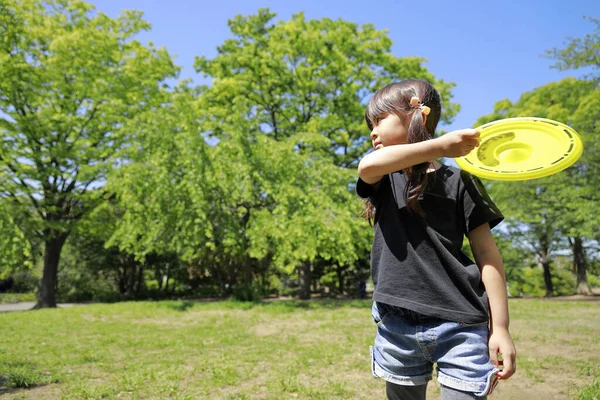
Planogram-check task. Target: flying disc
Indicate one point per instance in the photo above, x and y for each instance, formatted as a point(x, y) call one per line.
point(516, 149)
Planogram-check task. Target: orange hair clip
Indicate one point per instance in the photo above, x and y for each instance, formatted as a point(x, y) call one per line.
point(416, 103)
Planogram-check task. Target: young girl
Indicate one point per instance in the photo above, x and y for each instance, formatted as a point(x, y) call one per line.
point(432, 304)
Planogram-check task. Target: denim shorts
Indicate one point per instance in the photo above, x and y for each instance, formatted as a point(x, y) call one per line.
point(407, 345)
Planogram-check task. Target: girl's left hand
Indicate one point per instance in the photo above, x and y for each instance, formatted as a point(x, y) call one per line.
point(501, 343)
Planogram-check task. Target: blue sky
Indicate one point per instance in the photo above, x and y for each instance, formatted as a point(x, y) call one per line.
point(492, 50)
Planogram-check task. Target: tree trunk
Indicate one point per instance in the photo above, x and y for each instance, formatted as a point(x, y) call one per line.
point(547, 278)
point(544, 258)
point(580, 266)
point(247, 272)
point(122, 274)
point(168, 277)
point(46, 293)
point(140, 279)
point(159, 277)
point(131, 280)
point(340, 275)
point(305, 278)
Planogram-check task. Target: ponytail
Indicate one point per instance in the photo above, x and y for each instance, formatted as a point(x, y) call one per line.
point(417, 174)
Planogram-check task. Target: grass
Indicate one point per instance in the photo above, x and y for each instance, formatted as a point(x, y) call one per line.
point(279, 350)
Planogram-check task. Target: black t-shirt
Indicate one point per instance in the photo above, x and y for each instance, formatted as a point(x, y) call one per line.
point(417, 262)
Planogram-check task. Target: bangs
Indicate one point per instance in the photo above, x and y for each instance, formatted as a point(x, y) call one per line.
point(386, 100)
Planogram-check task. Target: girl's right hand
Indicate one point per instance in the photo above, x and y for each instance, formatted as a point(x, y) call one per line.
point(459, 143)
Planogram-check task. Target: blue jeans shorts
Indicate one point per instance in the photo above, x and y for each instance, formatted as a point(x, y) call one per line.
point(407, 345)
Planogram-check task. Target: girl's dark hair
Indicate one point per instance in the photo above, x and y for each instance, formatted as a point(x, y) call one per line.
point(395, 98)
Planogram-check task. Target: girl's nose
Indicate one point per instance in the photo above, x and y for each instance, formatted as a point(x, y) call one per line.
point(373, 135)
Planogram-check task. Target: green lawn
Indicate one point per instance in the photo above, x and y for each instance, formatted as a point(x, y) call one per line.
point(279, 350)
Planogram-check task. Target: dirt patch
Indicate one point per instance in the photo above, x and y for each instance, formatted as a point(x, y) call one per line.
point(576, 297)
point(284, 326)
point(44, 392)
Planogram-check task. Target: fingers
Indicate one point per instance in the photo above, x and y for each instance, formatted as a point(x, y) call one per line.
point(470, 145)
point(500, 343)
point(494, 355)
point(510, 365)
point(469, 133)
point(470, 138)
point(473, 137)
point(460, 143)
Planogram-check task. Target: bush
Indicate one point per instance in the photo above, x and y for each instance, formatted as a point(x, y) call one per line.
point(12, 298)
point(207, 291)
point(593, 281)
point(24, 282)
point(248, 292)
point(531, 282)
point(76, 286)
point(289, 292)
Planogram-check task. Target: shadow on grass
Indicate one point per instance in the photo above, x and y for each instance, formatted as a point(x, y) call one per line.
point(281, 305)
point(7, 390)
point(18, 391)
point(316, 304)
point(179, 305)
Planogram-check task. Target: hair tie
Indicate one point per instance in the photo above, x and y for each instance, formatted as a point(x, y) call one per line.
point(415, 103)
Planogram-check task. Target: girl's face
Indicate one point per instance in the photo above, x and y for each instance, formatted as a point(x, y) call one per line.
point(388, 130)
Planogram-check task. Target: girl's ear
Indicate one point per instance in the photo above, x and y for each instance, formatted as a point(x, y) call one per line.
point(424, 118)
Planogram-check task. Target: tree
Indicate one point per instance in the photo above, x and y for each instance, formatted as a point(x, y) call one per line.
point(566, 201)
point(312, 214)
point(580, 53)
point(73, 87)
point(288, 99)
point(161, 189)
point(305, 76)
point(531, 218)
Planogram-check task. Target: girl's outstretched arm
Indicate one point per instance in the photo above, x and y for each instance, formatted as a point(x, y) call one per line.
point(394, 158)
point(489, 261)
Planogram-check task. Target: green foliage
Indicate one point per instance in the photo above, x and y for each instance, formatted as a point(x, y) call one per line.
point(594, 281)
point(251, 291)
point(579, 52)
point(226, 189)
point(284, 120)
point(12, 298)
point(531, 282)
point(300, 75)
point(74, 85)
point(329, 279)
point(77, 284)
point(312, 210)
point(542, 213)
point(15, 249)
point(515, 259)
point(162, 191)
point(546, 214)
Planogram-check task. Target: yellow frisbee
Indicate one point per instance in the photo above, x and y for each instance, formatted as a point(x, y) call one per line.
point(518, 149)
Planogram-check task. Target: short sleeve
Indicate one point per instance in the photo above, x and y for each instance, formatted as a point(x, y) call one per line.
point(365, 190)
point(478, 206)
